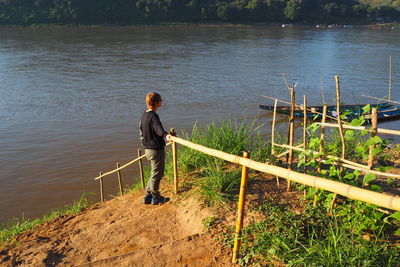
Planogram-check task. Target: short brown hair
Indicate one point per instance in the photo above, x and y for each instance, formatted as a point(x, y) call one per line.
point(152, 99)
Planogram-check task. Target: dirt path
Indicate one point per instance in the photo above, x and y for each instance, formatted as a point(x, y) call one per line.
point(125, 232)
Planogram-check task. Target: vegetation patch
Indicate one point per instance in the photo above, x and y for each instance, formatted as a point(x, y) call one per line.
point(329, 231)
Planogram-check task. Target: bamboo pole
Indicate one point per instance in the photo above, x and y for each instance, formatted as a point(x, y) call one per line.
point(374, 123)
point(377, 98)
point(390, 76)
point(291, 133)
point(328, 156)
point(305, 129)
point(119, 180)
point(361, 128)
point(101, 189)
point(175, 162)
point(273, 128)
point(379, 199)
point(120, 168)
point(139, 152)
point(284, 153)
point(322, 136)
point(241, 206)
point(349, 164)
point(339, 119)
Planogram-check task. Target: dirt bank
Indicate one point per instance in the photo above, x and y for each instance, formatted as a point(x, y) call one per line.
point(122, 231)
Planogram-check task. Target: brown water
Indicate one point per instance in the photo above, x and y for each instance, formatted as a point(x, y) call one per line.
point(71, 98)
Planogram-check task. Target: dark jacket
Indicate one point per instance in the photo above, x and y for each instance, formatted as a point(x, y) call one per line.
point(152, 132)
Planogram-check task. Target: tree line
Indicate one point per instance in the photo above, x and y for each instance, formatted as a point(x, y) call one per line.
point(28, 12)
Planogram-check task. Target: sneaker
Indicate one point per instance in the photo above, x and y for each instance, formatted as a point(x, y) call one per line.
point(147, 198)
point(159, 200)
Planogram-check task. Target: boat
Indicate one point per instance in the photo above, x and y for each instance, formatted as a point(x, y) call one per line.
point(386, 111)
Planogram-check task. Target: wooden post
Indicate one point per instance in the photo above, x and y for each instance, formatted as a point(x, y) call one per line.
point(374, 123)
point(120, 180)
point(291, 133)
point(273, 128)
point(332, 204)
point(139, 152)
point(340, 120)
point(242, 200)
point(322, 137)
point(101, 188)
point(175, 162)
point(305, 128)
point(390, 76)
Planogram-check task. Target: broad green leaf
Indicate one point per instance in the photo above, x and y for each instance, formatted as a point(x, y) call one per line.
point(349, 175)
point(377, 139)
point(395, 215)
point(369, 177)
point(355, 122)
point(366, 108)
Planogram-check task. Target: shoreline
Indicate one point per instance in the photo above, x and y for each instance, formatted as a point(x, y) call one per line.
point(389, 25)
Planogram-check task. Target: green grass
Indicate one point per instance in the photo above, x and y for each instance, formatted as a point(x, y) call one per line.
point(18, 226)
point(215, 183)
point(310, 239)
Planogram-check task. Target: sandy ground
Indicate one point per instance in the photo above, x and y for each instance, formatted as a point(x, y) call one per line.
point(125, 232)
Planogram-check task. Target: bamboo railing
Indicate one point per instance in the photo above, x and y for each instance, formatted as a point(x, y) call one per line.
point(352, 192)
point(349, 191)
point(119, 175)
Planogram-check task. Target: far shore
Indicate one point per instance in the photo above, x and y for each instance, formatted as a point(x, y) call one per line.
point(390, 25)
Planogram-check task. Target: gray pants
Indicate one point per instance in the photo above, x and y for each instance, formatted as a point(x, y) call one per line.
point(157, 163)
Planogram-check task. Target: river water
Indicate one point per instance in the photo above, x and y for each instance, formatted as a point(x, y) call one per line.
point(71, 97)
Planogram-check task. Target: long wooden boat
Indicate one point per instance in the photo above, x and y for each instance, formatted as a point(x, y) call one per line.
point(386, 111)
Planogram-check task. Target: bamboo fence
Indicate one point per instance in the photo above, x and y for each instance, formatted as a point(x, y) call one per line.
point(349, 191)
point(119, 174)
point(352, 192)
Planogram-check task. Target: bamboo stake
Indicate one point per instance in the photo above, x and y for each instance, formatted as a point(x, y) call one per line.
point(374, 123)
point(390, 76)
point(291, 133)
point(101, 189)
point(175, 162)
point(120, 180)
point(139, 152)
point(332, 204)
point(340, 120)
point(273, 128)
point(379, 199)
point(322, 93)
point(241, 206)
point(361, 128)
point(322, 136)
point(305, 129)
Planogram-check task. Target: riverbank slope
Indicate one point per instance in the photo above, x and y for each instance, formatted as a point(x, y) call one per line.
point(122, 231)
